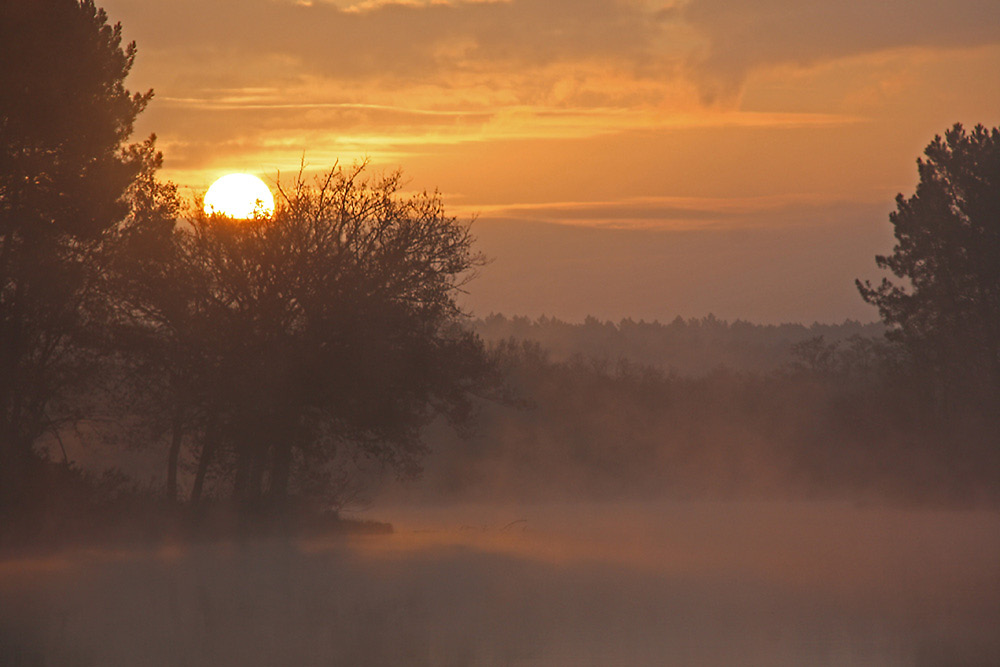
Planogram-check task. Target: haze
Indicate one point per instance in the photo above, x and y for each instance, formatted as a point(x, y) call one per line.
point(564, 342)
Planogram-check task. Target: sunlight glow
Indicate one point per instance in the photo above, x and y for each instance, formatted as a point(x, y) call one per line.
point(240, 196)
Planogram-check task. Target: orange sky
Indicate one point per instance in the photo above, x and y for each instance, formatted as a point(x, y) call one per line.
point(642, 158)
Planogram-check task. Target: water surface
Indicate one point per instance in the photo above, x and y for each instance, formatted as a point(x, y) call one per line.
point(695, 583)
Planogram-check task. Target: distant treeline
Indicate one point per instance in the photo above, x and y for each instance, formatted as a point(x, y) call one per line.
point(695, 346)
point(838, 419)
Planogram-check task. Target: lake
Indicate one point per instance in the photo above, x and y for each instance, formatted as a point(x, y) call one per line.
point(654, 583)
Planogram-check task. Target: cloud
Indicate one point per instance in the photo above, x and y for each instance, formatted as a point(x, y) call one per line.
point(450, 43)
point(746, 35)
point(415, 40)
point(684, 213)
point(481, 58)
point(394, 77)
point(198, 133)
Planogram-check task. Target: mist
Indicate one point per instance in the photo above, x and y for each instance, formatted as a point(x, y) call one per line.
point(687, 583)
point(604, 513)
point(621, 380)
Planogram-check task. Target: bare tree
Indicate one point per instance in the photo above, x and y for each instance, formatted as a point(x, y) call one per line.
point(330, 326)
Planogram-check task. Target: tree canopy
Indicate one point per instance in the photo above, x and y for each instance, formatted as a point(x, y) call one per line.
point(65, 171)
point(946, 313)
point(330, 326)
point(65, 116)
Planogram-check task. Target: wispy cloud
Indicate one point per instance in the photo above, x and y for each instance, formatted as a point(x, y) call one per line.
point(273, 79)
point(682, 213)
point(203, 132)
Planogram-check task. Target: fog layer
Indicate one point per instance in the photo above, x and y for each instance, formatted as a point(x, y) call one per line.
point(639, 584)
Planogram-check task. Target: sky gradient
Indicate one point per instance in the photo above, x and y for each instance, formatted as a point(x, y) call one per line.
point(623, 158)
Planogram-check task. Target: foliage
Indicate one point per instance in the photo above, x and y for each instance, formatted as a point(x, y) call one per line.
point(855, 360)
point(331, 325)
point(946, 314)
point(65, 116)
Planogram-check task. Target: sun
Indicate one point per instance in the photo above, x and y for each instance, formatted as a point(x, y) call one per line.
point(239, 196)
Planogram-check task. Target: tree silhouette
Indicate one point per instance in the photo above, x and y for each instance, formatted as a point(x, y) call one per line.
point(65, 116)
point(330, 326)
point(948, 250)
point(139, 268)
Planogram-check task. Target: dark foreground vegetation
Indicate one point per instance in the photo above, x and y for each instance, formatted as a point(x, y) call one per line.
point(255, 356)
point(163, 371)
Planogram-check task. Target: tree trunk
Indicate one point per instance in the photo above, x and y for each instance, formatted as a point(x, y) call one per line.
point(241, 480)
point(281, 468)
point(212, 436)
point(177, 434)
point(255, 489)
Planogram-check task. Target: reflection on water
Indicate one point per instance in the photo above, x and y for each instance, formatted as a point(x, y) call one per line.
point(626, 584)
